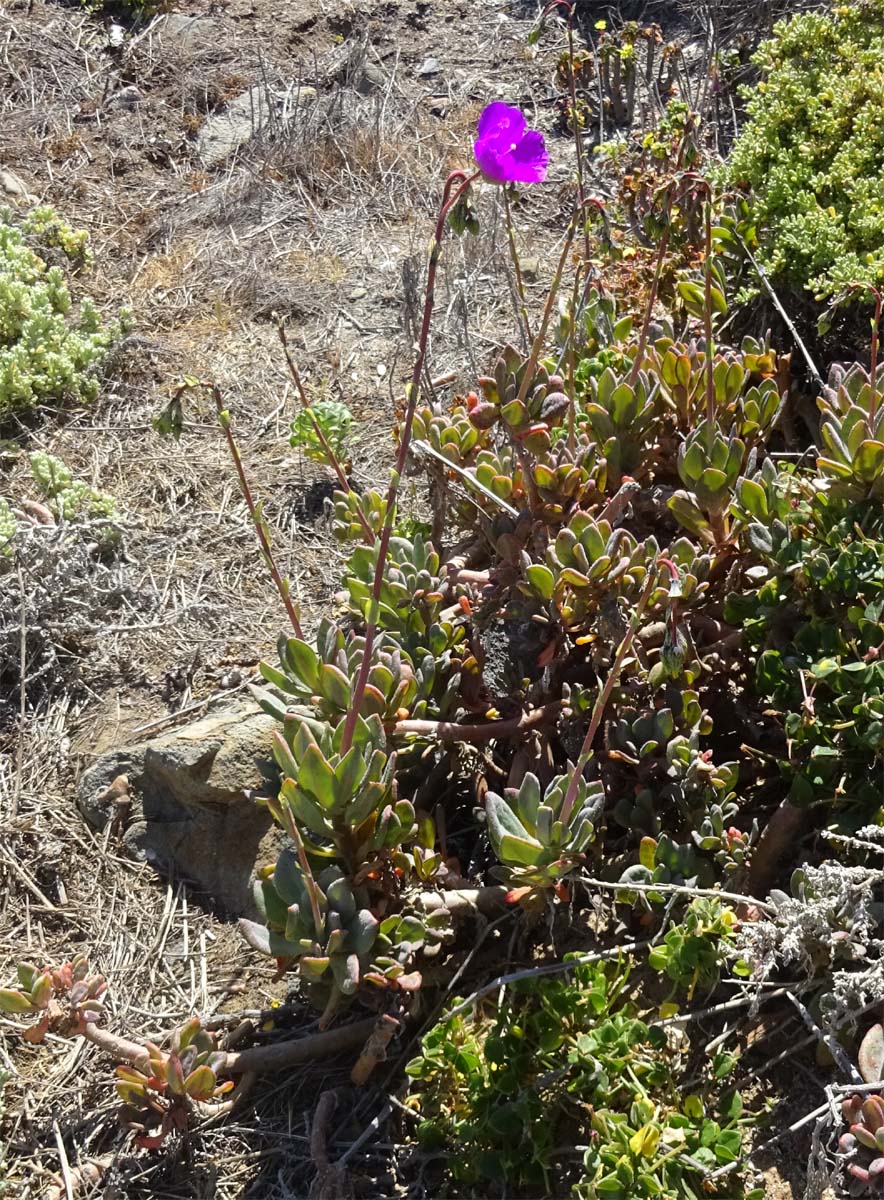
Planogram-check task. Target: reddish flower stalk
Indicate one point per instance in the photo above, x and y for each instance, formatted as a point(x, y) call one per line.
point(707, 315)
point(873, 399)
point(873, 363)
point(652, 299)
point(455, 185)
point(517, 266)
point(603, 697)
point(282, 585)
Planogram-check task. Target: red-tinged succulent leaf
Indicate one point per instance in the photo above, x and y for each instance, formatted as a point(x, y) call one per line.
point(223, 1088)
point(35, 1034)
point(175, 1075)
point(410, 982)
point(148, 1141)
point(858, 1172)
point(131, 1074)
point(63, 977)
point(864, 1137)
point(851, 1108)
point(514, 895)
point(871, 1054)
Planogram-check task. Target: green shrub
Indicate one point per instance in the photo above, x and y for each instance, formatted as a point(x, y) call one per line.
point(49, 352)
point(573, 1055)
point(813, 148)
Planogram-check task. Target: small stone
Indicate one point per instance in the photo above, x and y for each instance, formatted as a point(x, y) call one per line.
point(12, 185)
point(188, 32)
point(430, 66)
point(116, 35)
point(358, 293)
point(530, 269)
point(127, 97)
point(370, 79)
point(381, 370)
point(223, 133)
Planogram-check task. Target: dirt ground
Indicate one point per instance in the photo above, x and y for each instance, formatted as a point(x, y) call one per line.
point(322, 222)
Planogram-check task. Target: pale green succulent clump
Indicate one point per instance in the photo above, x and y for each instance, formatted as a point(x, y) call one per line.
point(49, 351)
point(69, 498)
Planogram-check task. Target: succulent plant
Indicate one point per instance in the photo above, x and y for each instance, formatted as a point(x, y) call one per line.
point(622, 417)
point(64, 998)
point(324, 679)
point(663, 860)
point(349, 946)
point(455, 434)
point(349, 506)
point(530, 420)
point(525, 828)
point(159, 1102)
point(672, 774)
point(333, 418)
point(588, 561)
point(566, 479)
point(852, 431)
point(411, 592)
point(346, 799)
point(709, 467)
point(861, 1148)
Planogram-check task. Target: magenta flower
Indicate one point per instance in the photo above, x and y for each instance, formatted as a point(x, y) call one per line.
point(506, 150)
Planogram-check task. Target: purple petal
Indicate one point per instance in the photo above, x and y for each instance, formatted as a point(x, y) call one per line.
point(490, 160)
point(503, 120)
point(529, 160)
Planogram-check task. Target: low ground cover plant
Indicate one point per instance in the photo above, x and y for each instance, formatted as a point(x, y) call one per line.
point(812, 149)
point(51, 349)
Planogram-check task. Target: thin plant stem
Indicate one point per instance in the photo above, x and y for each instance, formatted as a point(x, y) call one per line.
point(570, 6)
point(327, 450)
point(652, 299)
point(572, 387)
point(603, 697)
point(455, 185)
point(537, 345)
point(873, 372)
point(291, 828)
point(517, 266)
point(707, 314)
point(282, 585)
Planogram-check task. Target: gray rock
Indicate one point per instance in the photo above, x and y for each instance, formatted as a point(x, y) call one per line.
point(12, 185)
point(370, 79)
point(188, 32)
point(248, 114)
point(430, 66)
point(530, 268)
point(358, 293)
point(191, 806)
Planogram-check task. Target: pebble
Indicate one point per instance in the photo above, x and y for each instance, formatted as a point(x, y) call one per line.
point(11, 185)
point(430, 66)
point(530, 269)
point(358, 293)
point(243, 117)
point(371, 79)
